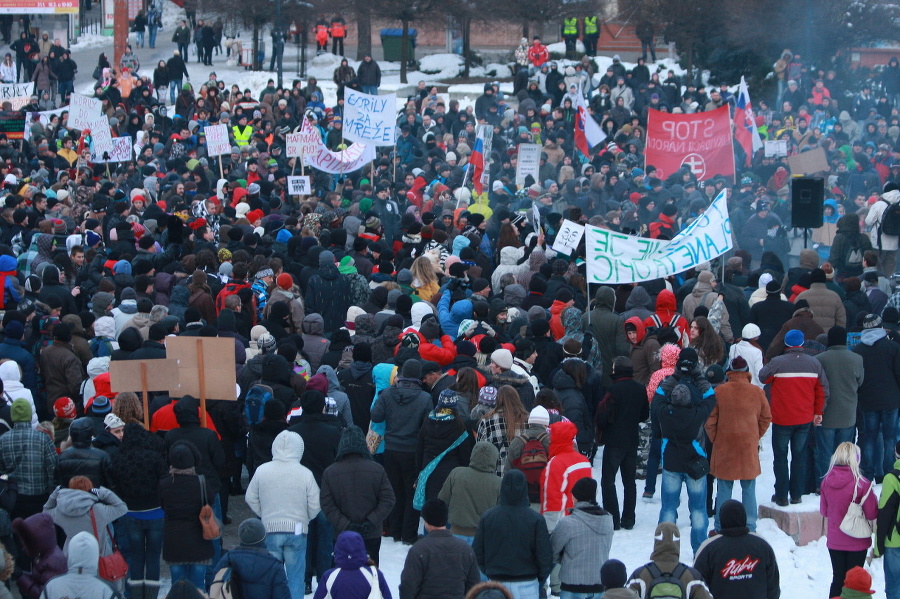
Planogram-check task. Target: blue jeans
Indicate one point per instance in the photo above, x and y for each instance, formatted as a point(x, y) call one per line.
point(194, 573)
point(320, 544)
point(174, 88)
point(571, 595)
point(874, 423)
point(140, 38)
point(153, 31)
point(748, 498)
point(523, 589)
point(670, 493)
point(65, 88)
point(290, 549)
point(370, 89)
point(827, 440)
point(796, 437)
point(145, 538)
point(892, 572)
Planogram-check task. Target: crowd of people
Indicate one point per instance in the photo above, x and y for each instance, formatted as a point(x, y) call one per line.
point(409, 349)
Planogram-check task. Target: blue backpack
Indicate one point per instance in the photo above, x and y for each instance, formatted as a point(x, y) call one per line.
point(255, 402)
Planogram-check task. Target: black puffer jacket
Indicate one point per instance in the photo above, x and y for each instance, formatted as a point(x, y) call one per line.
point(328, 294)
point(212, 458)
point(81, 459)
point(360, 389)
point(575, 408)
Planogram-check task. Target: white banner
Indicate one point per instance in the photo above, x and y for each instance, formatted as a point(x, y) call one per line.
point(44, 118)
point(568, 237)
point(778, 147)
point(121, 150)
point(614, 258)
point(369, 119)
point(317, 155)
point(83, 111)
point(298, 186)
point(17, 94)
point(217, 140)
point(293, 148)
point(528, 162)
point(101, 138)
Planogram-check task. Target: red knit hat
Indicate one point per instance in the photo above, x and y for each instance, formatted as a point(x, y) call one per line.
point(858, 579)
point(284, 281)
point(64, 407)
point(255, 215)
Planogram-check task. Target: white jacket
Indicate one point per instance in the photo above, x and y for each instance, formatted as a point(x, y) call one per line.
point(754, 358)
point(283, 493)
point(873, 219)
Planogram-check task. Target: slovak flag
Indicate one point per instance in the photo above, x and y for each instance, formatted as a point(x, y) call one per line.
point(745, 130)
point(476, 159)
point(588, 133)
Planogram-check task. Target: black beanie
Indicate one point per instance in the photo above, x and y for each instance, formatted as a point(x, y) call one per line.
point(837, 336)
point(435, 512)
point(362, 352)
point(732, 515)
point(585, 490)
point(613, 574)
point(313, 402)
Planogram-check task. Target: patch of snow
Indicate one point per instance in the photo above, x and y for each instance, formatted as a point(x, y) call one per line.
point(560, 47)
point(92, 40)
point(441, 66)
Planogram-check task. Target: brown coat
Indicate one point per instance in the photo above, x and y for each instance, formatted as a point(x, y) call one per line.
point(737, 423)
point(802, 321)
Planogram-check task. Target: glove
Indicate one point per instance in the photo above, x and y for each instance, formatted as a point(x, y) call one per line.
point(470, 330)
point(367, 529)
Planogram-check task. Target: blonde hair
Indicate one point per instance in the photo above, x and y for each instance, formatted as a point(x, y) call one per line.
point(423, 272)
point(846, 454)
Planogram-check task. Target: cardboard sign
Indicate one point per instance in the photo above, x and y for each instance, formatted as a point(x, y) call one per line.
point(568, 237)
point(298, 186)
point(370, 119)
point(778, 147)
point(809, 162)
point(125, 375)
point(292, 145)
point(121, 151)
point(217, 142)
point(83, 111)
point(218, 366)
point(619, 258)
point(528, 163)
point(101, 137)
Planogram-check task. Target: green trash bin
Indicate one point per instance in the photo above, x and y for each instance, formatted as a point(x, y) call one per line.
point(392, 44)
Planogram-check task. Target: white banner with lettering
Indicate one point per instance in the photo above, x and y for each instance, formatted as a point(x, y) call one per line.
point(614, 258)
point(121, 150)
point(369, 119)
point(83, 111)
point(317, 155)
point(217, 140)
point(17, 94)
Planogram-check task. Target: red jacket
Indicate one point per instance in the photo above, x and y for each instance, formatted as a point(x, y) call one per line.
point(443, 354)
point(565, 468)
point(164, 420)
point(557, 329)
point(538, 54)
point(799, 387)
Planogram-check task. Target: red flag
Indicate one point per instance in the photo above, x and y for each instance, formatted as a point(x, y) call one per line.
point(477, 162)
point(701, 142)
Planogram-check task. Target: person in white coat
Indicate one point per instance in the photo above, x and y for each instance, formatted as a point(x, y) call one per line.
point(285, 496)
point(885, 244)
point(13, 389)
point(748, 348)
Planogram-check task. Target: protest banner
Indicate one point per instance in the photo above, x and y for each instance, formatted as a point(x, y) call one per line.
point(298, 186)
point(778, 147)
point(701, 141)
point(568, 237)
point(121, 151)
point(12, 123)
point(614, 258)
point(809, 162)
point(369, 119)
point(17, 94)
point(293, 145)
point(133, 375)
point(317, 155)
point(83, 111)
point(217, 142)
point(528, 162)
point(101, 138)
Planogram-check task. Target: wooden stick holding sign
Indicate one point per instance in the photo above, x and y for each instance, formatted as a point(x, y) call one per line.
point(133, 375)
point(205, 368)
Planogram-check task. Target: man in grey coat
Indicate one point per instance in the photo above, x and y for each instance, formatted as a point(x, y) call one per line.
point(844, 371)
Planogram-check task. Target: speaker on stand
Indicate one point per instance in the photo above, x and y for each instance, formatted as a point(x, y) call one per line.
point(807, 203)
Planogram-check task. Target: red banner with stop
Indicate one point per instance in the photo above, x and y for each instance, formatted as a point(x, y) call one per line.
point(701, 142)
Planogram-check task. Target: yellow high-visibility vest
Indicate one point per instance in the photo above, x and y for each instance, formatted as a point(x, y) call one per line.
point(590, 25)
point(570, 26)
point(242, 138)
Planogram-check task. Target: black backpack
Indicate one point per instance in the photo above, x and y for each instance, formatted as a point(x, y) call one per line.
point(890, 220)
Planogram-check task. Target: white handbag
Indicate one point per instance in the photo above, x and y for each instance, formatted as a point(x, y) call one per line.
point(855, 524)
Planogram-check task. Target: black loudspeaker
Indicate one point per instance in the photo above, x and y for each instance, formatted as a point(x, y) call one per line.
point(807, 202)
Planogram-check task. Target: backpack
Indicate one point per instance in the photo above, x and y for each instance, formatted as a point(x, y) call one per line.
point(532, 462)
point(255, 402)
point(225, 585)
point(374, 585)
point(669, 332)
point(231, 289)
point(890, 220)
point(666, 585)
point(853, 263)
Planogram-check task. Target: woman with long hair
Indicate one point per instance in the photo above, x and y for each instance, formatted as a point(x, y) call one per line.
point(128, 407)
point(8, 72)
point(201, 297)
point(503, 423)
point(844, 484)
point(707, 342)
point(466, 387)
point(425, 280)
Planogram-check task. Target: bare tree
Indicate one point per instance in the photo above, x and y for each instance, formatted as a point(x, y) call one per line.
point(407, 11)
